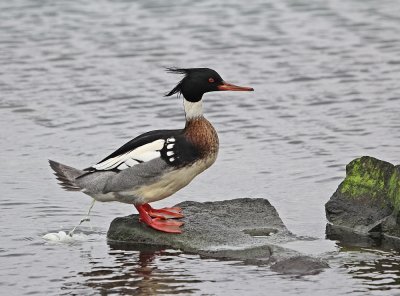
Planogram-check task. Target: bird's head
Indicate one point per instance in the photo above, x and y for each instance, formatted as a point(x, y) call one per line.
point(198, 81)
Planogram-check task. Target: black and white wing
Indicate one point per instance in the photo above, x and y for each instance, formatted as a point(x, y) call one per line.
point(130, 158)
point(146, 147)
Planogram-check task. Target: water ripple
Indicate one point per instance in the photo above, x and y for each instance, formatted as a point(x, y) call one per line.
point(78, 79)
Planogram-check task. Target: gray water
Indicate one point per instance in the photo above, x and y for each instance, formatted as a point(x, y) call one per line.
point(80, 78)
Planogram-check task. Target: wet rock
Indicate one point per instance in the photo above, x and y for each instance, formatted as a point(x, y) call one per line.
point(300, 265)
point(249, 230)
point(367, 202)
point(349, 239)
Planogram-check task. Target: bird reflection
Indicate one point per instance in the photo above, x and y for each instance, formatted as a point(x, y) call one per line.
point(139, 270)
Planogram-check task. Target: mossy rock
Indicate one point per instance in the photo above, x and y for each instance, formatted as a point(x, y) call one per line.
point(372, 178)
point(367, 198)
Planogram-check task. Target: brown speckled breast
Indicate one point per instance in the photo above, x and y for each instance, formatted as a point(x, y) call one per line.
point(202, 135)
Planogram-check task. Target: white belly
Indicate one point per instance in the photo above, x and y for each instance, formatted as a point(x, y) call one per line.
point(171, 182)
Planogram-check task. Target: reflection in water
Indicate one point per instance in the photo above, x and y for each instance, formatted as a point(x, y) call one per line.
point(348, 239)
point(374, 259)
point(379, 274)
point(135, 269)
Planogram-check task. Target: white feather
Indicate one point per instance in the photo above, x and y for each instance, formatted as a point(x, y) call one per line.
point(143, 153)
point(131, 162)
point(149, 155)
point(193, 110)
point(122, 166)
point(109, 163)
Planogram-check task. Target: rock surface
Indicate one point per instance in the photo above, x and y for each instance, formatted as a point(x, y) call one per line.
point(249, 230)
point(300, 265)
point(367, 202)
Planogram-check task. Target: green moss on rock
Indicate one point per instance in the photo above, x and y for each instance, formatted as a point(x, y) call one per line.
point(394, 187)
point(368, 177)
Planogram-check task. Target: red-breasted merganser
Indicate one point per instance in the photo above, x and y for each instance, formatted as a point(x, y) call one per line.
point(158, 163)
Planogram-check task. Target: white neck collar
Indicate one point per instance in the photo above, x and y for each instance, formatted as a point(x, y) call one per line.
point(193, 110)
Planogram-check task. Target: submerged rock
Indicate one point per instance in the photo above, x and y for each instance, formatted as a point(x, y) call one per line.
point(367, 202)
point(300, 265)
point(249, 230)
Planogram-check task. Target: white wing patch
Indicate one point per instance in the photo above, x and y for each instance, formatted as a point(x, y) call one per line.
point(141, 154)
point(170, 146)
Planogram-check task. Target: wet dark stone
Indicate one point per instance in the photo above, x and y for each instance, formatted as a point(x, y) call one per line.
point(249, 230)
point(300, 265)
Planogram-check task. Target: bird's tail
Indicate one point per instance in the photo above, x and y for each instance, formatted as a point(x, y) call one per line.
point(66, 175)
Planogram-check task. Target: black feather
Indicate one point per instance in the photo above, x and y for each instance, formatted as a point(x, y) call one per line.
point(174, 70)
point(178, 88)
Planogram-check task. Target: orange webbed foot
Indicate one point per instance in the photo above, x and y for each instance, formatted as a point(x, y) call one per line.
point(159, 223)
point(164, 213)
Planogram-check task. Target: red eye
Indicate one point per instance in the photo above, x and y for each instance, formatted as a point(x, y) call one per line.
point(211, 80)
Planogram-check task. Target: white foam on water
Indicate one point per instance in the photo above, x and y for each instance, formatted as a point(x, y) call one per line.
point(64, 237)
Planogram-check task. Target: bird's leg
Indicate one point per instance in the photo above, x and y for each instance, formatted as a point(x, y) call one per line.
point(164, 213)
point(159, 224)
point(88, 213)
point(83, 219)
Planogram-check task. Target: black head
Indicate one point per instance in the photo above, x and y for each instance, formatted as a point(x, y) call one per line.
point(198, 81)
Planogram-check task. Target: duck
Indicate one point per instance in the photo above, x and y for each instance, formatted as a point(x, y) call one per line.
point(158, 163)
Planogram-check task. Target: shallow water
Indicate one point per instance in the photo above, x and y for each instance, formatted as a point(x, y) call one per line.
point(79, 79)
